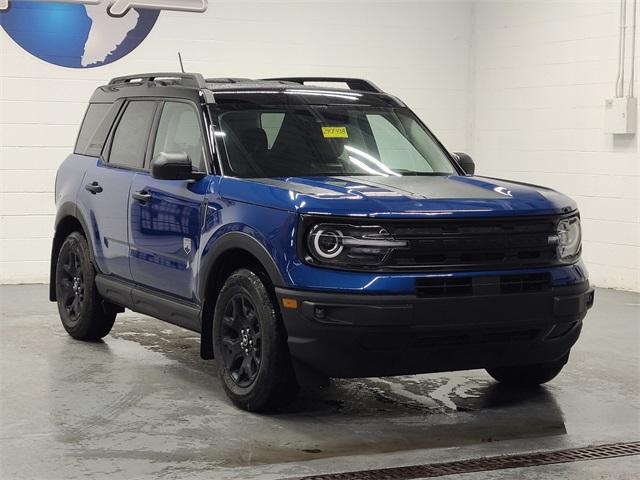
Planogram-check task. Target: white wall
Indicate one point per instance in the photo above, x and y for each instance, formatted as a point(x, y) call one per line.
point(541, 73)
point(520, 85)
point(418, 50)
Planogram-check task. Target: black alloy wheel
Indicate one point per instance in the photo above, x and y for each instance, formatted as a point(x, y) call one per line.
point(241, 340)
point(250, 343)
point(72, 285)
point(84, 313)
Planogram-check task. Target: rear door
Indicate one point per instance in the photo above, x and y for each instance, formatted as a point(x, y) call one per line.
point(166, 215)
point(107, 185)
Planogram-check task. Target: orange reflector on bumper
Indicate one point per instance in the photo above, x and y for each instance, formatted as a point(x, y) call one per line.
point(289, 303)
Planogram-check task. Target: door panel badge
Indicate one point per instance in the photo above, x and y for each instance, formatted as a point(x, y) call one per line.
point(186, 245)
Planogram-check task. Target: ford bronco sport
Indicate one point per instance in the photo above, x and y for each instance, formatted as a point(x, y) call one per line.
point(309, 231)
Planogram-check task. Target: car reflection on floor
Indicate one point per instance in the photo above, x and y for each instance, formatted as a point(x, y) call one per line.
point(348, 417)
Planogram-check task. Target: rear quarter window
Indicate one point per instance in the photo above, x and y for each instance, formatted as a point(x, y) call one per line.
point(95, 128)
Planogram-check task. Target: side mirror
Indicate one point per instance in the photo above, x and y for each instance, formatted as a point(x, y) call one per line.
point(174, 166)
point(465, 162)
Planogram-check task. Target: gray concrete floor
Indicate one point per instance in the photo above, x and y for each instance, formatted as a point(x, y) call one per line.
point(142, 404)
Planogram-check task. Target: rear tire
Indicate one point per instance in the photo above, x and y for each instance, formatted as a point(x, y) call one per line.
point(528, 375)
point(250, 345)
point(84, 314)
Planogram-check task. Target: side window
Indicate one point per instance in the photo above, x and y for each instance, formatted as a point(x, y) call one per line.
point(396, 151)
point(93, 119)
point(178, 132)
point(132, 134)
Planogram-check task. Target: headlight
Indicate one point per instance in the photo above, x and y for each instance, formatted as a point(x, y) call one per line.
point(569, 239)
point(327, 243)
point(344, 245)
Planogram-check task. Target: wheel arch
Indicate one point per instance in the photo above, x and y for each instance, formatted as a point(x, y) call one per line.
point(68, 220)
point(230, 252)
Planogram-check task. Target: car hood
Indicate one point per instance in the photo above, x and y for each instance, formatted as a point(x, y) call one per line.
point(407, 196)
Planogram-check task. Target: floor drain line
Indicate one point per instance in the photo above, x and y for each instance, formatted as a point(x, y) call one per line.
point(488, 463)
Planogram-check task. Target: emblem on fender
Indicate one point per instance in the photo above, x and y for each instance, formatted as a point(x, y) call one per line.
point(186, 245)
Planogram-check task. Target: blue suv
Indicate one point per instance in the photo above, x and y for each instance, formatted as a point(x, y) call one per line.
point(309, 228)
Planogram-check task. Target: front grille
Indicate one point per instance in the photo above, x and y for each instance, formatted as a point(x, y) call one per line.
point(463, 244)
point(444, 287)
point(482, 285)
point(534, 282)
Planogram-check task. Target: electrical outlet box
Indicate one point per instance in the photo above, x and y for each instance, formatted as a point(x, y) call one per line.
point(620, 115)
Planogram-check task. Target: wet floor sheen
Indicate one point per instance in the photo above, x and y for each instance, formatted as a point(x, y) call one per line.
point(143, 404)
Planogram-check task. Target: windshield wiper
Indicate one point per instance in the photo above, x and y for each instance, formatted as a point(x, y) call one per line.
point(411, 173)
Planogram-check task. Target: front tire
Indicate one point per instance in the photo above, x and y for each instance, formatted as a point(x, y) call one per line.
point(84, 315)
point(528, 375)
point(250, 345)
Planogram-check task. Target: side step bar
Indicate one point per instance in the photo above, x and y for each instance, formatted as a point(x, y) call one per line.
point(142, 300)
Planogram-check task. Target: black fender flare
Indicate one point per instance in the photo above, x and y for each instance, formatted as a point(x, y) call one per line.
point(237, 241)
point(229, 241)
point(68, 209)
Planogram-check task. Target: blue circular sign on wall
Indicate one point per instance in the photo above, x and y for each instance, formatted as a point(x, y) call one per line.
point(76, 35)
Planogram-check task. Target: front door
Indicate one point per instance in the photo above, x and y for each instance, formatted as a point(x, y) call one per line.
point(165, 216)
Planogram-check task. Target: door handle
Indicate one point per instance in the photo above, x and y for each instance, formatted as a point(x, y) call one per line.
point(142, 196)
point(93, 188)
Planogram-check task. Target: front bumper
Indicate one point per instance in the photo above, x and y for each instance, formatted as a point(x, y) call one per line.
point(360, 335)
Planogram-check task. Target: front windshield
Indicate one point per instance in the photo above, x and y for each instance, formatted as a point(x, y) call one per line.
point(305, 141)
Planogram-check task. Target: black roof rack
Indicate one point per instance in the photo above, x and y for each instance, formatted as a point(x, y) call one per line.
point(352, 83)
point(198, 81)
point(188, 79)
point(228, 80)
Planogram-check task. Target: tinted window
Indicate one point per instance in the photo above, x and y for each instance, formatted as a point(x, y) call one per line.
point(179, 132)
point(394, 148)
point(90, 125)
point(130, 140)
point(335, 140)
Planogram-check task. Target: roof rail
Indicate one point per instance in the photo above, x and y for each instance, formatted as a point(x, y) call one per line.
point(188, 79)
point(352, 83)
point(227, 80)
